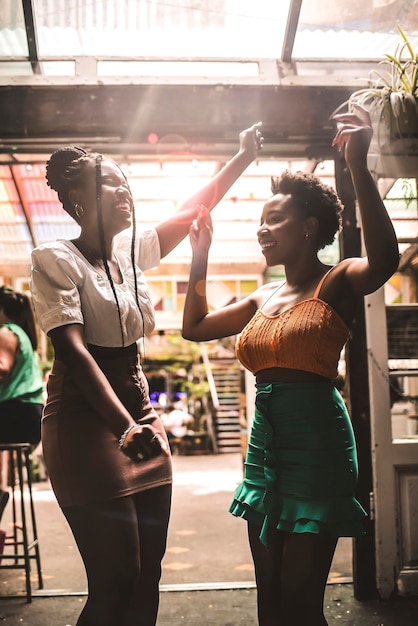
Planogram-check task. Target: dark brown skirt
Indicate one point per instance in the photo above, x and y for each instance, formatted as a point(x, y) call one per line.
point(81, 453)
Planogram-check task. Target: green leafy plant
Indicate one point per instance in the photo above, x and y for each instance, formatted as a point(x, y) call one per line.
point(393, 88)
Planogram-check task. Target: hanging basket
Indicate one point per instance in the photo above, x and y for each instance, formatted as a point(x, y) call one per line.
point(394, 147)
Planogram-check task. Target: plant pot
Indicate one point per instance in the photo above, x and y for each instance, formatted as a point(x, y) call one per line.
point(394, 147)
point(393, 166)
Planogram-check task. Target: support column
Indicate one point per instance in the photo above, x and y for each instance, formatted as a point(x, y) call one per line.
point(357, 394)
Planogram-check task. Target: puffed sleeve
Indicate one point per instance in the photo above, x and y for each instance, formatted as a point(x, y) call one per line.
point(147, 248)
point(55, 283)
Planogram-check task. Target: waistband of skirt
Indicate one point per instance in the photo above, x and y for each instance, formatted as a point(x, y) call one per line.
point(102, 352)
point(295, 386)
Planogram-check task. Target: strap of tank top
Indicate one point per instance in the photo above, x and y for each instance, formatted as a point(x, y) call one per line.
point(319, 285)
point(272, 294)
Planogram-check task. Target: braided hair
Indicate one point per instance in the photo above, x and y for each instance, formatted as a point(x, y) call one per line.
point(64, 171)
point(313, 199)
point(18, 308)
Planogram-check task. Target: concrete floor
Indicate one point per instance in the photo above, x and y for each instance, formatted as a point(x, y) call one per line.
point(207, 571)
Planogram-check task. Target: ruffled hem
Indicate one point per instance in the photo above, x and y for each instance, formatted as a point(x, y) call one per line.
point(335, 517)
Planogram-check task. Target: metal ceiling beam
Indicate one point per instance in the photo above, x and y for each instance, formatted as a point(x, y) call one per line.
point(30, 25)
point(291, 28)
point(186, 119)
point(316, 72)
point(25, 209)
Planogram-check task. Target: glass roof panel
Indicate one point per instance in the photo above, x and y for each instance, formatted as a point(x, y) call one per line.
point(167, 28)
point(58, 68)
point(15, 68)
point(13, 40)
point(189, 30)
point(176, 68)
point(158, 188)
point(353, 29)
point(236, 219)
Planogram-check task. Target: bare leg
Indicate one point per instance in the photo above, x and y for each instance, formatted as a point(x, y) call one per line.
point(108, 536)
point(291, 574)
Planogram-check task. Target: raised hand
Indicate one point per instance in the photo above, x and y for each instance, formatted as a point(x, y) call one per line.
point(251, 139)
point(201, 230)
point(354, 133)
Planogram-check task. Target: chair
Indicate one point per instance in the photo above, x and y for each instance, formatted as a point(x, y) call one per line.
point(23, 549)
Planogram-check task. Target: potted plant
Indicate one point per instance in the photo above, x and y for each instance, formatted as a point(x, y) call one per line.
point(391, 98)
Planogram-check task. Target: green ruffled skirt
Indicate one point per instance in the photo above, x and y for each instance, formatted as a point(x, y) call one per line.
point(301, 466)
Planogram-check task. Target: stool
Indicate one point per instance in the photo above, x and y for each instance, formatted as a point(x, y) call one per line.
point(23, 549)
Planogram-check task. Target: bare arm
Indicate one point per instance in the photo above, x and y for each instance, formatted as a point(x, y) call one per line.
point(70, 347)
point(368, 274)
point(9, 346)
point(198, 323)
point(173, 230)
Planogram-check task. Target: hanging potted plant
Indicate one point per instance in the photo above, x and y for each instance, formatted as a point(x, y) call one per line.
point(391, 99)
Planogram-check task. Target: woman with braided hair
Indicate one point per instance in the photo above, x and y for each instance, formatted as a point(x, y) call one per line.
point(104, 445)
point(21, 385)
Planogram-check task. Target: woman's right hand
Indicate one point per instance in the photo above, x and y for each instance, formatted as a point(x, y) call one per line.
point(201, 230)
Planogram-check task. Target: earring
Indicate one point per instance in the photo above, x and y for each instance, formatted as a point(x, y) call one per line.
point(79, 211)
point(307, 235)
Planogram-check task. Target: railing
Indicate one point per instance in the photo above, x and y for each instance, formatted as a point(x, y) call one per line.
point(209, 375)
point(213, 395)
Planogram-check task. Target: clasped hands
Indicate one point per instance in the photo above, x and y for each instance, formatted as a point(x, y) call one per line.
point(140, 442)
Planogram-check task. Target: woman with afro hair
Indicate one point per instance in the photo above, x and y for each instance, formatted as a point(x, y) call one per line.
point(300, 475)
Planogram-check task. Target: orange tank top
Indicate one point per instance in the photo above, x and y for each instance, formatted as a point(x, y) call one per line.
point(308, 336)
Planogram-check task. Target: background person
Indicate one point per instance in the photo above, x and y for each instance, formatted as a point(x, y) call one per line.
point(176, 421)
point(21, 385)
point(301, 466)
point(104, 445)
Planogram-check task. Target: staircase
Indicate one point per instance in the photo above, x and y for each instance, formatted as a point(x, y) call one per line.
point(226, 427)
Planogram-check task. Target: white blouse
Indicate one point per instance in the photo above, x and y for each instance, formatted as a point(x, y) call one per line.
point(67, 289)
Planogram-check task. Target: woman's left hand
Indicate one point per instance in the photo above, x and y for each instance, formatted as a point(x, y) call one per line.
point(251, 140)
point(354, 132)
point(201, 230)
point(142, 443)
